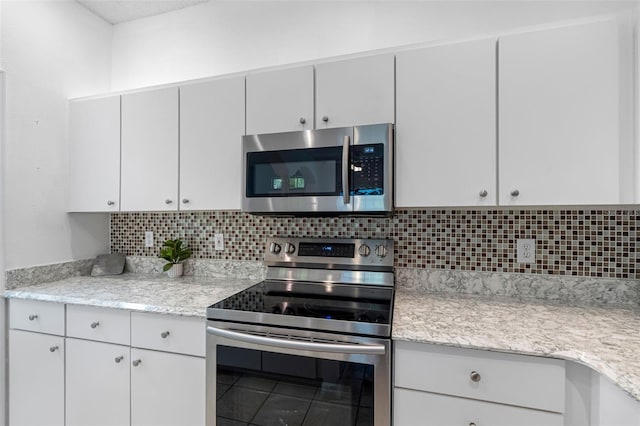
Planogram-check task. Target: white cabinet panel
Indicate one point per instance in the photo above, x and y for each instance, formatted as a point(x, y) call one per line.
point(94, 155)
point(211, 129)
point(36, 379)
point(520, 380)
point(36, 315)
point(102, 324)
point(280, 101)
point(150, 150)
point(559, 121)
point(610, 405)
point(414, 408)
point(446, 125)
point(97, 384)
point(355, 91)
point(168, 333)
point(167, 389)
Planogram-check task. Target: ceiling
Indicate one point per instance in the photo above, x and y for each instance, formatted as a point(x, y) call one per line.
point(117, 11)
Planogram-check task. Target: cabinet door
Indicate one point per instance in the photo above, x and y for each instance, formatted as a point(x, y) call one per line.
point(355, 92)
point(167, 389)
point(446, 125)
point(94, 155)
point(97, 376)
point(412, 408)
point(558, 126)
point(150, 150)
point(280, 101)
point(36, 379)
point(211, 129)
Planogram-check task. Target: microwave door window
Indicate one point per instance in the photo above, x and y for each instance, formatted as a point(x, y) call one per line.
point(290, 173)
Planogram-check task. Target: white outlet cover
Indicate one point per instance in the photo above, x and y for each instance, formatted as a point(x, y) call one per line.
point(526, 250)
point(218, 241)
point(148, 239)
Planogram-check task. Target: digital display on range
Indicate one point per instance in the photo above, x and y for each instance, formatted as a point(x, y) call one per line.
point(327, 250)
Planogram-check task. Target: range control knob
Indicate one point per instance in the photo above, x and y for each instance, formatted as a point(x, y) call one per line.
point(364, 250)
point(289, 248)
point(381, 251)
point(274, 248)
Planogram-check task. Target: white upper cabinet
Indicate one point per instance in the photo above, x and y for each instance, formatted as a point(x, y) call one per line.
point(280, 101)
point(558, 119)
point(150, 150)
point(355, 91)
point(94, 155)
point(446, 125)
point(211, 128)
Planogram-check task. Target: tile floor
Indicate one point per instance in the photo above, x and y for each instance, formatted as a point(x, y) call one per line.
point(247, 398)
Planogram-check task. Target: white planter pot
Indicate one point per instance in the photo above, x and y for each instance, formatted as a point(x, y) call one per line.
point(175, 271)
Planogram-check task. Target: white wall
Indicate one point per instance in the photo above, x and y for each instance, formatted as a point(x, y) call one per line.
point(50, 51)
point(225, 36)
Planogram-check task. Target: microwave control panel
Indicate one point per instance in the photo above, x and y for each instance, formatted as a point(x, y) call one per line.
point(367, 169)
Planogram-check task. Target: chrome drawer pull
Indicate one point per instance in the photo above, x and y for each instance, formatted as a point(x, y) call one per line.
point(136, 362)
point(475, 376)
point(95, 324)
point(33, 317)
point(119, 359)
point(164, 334)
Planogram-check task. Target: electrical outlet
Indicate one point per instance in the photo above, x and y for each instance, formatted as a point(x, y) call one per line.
point(218, 241)
point(148, 239)
point(526, 250)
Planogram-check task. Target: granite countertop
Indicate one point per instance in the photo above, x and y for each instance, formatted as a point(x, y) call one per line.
point(607, 339)
point(189, 296)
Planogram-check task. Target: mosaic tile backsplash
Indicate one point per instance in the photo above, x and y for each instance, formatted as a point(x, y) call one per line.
point(592, 243)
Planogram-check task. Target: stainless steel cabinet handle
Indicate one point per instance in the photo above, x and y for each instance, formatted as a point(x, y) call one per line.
point(136, 362)
point(33, 317)
point(110, 203)
point(302, 120)
point(472, 424)
point(168, 201)
point(484, 193)
point(325, 118)
point(119, 359)
point(164, 334)
point(345, 170)
point(185, 201)
point(515, 193)
point(54, 348)
point(475, 376)
point(95, 324)
point(297, 344)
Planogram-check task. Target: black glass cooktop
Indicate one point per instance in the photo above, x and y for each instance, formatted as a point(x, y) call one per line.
point(281, 302)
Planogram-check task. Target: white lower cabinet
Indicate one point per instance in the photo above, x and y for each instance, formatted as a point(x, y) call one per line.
point(416, 408)
point(438, 386)
point(97, 376)
point(167, 389)
point(36, 379)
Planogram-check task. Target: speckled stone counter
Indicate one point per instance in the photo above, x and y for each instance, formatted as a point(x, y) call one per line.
point(606, 339)
point(188, 296)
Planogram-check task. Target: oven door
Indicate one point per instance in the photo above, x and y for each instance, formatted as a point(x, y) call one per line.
point(272, 376)
point(294, 172)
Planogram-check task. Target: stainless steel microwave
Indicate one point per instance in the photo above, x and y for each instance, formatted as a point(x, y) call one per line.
point(328, 171)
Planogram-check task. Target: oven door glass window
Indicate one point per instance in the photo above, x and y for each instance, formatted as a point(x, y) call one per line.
point(266, 388)
point(295, 172)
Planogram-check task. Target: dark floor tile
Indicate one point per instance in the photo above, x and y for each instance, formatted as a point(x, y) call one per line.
point(293, 389)
point(258, 383)
point(281, 410)
point(240, 403)
point(326, 414)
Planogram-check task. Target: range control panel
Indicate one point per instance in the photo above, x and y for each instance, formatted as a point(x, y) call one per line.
point(359, 253)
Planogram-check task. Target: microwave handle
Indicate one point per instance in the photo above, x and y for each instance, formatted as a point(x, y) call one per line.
point(298, 344)
point(346, 195)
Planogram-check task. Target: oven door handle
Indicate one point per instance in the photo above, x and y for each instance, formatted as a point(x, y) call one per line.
point(346, 194)
point(297, 344)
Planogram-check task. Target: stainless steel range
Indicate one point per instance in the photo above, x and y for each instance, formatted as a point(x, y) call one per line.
point(311, 344)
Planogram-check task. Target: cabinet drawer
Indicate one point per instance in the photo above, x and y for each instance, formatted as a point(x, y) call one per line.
point(35, 315)
point(415, 408)
point(169, 333)
point(525, 381)
point(102, 324)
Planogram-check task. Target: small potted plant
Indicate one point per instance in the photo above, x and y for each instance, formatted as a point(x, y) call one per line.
point(174, 253)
